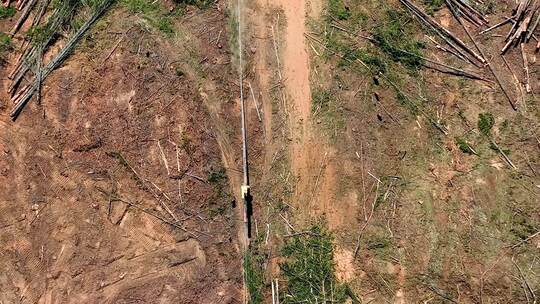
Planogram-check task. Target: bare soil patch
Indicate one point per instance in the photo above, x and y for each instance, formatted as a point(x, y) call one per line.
point(118, 150)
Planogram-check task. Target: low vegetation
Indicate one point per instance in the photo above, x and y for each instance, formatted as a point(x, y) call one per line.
point(254, 278)
point(485, 123)
point(396, 40)
point(219, 202)
point(7, 12)
point(464, 146)
point(309, 269)
point(5, 45)
point(153, 13)
point(158, 16)
point(327, 109)
point(217, 175)
point(433, 5)
point(389, 46)
point(198, 3)
point(393, 38)
point(339, 10)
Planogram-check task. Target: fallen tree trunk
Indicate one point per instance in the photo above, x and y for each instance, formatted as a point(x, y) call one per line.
point(59, 58)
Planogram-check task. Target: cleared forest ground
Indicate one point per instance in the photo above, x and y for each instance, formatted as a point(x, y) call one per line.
point(423, 168)
point(113, 188)
point(394, 154)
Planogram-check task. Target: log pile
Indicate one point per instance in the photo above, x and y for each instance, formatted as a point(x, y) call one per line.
point(523, 27)
point(524, 23)
point(461, 48)
point(49, 20)
point(468, 12)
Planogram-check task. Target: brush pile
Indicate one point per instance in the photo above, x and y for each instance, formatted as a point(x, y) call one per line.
point(524, 23)
point(61, 23)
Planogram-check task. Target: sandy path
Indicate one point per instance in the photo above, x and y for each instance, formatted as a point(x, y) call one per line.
point(295, 58)
point(295, 69)
point(311, 157)
point(315, 187)
point(294, 62)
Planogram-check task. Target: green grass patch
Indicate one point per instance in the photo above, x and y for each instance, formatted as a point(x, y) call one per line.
point(218, 203)
point(396, 39)
point(154, 13)
point(67, 17)
point(217, 175)
point(7, 12)
point(309, 270)
point(463, 145)
point(504, 126)
point(433, 5)
point(393, 51)
point(254, 278)
point(349, 54)
point(39, 34)
point(485, 123)
point(522, 226)
point(214, 212)
point(339, 10)
point(328, 111)
point(198, 3)
point(142, 6)
point(5, 42)
point(379, 244)
point(5, 46)
point(493, 147)
point(321, 100)
point(234, 47)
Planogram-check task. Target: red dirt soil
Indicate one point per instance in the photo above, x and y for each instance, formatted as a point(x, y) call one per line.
point(71, 225)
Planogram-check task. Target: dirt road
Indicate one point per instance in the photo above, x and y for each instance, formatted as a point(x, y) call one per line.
point(311, 158)
point(296, 61)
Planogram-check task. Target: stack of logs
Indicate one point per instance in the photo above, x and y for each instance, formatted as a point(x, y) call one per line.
point(522, 28)
point(524, 20)
point(29, 71)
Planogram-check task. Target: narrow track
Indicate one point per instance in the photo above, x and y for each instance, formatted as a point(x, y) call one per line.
point(244, 188)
